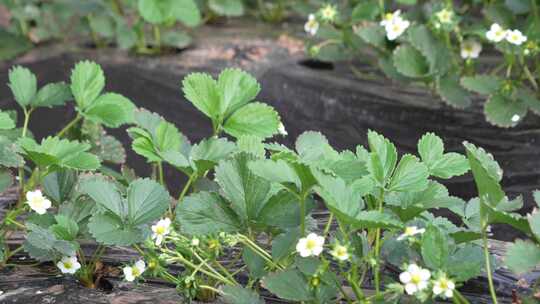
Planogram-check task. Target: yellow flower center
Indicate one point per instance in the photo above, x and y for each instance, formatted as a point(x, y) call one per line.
point(160, 230)
point(396, 27)
point(443, 283)
point(135, 271)
point(409, 231)
point(416, 278)
point(388, 16)
point(341, 251)
point(311, 244)
point(68, 265)
point(38, 202)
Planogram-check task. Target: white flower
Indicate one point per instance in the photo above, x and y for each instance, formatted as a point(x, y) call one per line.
point(515, 118)
point(281, 129)
point(37, 201)
point(340, 252)
point(161, 229)
point(470, 49)
point(409, 232)
point(132, 272)
point(68, 264)
point(389, 17)
point(445, 16)
point(195, 242)
point(310, 245)
point(444, 287)
point(312, 25)
point(496, 33)
point(515, 37)
point(394, 25)
point(415, 279)
point(328, 13)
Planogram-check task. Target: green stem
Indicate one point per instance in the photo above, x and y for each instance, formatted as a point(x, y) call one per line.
point(211, 289)
point(192, 178)
point(488, 266)
point(328, 224)
point(160, 172)
point(303, 215)
point(14, 222)
point(69, 126)
point(27, 114)
point(460, 297)
point(378, 249)
point(157, 36)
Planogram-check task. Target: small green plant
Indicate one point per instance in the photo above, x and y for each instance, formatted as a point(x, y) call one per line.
point(439, 44)
point(248, 201)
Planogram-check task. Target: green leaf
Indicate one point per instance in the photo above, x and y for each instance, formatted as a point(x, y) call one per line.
point(147, 201)
point(240, 295)
point(237, 89)
point(466, 263)
point(6, 123)
point(534, 222)
point(12, 45)
point(434, 50)
point(42, 244)
point(202, 91)
point(207, 153)
point(87, 82)
point(522, 256)
point(187, 12)
point(487, 174)
point(59, 185)
point(23, 85)
point(367, 10)
point(386, 156)
point(435, 249)
point(410, 175)
point(345, 202)
point(482, 83)
point(410, 62)
point(60, 152)
point(105, 194)
point(52, 94)
point(313, 148)
point(65, 228)
point(452, 92)
point(256, 119)
point(247, 192)
point(6, 180)
point(288, 285)
point(205, 213)
point(278, 171)
point(375, 219)
point(254, 262)
point(431, 150)
point(504, 112)
point(8, 154)
point(373, 34)
point(176, 39)
point(529, 98)
point(283, 244)
point(108, 229)
point(111, 110)
point(229, 8)
point(251, 144)
point(156, 11)
point(282, 210)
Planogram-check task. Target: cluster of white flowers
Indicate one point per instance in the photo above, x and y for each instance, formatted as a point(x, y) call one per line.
point(497, 33)
point(313, 245)
point(394, 25)
point(416, 279)
point(312, 25)
point(68, 264)
point(160, 230)
point(37, 201)
point(135, 271)
point(410, 232)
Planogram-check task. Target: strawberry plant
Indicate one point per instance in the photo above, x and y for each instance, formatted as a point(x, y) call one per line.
point(439, 45)
point(247, 208)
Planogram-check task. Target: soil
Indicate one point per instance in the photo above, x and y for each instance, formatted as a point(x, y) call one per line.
point(309, 95)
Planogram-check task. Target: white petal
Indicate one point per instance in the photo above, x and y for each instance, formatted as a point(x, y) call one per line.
point(425, 274)
point(317, 250)
point(449, 293)
point(304, 253)
point(301, 245)
point(320, 241)
point(410, 288)
point(405, 277)
point(451, 285)
point(422, 285)
point(437, 289)
point(141, 266)
point(413, 268)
